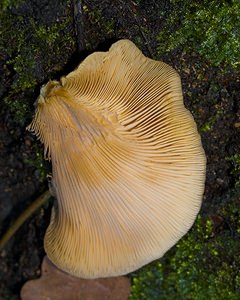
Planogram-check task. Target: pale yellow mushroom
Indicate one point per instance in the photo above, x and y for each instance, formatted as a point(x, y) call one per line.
point(128, 166)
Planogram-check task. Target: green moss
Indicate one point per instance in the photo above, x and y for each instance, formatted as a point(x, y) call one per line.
point(8, 4)
point(209, 28)
point(203, 265)
point(34, 52)
point(208, 125)
point(104, 27)
point(19, 109)
point(38, 163)
point(96, 18)
point(235, 160)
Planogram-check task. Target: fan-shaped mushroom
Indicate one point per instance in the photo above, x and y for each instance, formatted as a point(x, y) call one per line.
point(127, 162)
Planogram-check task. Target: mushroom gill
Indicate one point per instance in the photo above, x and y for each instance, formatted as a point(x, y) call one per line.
point(128, 166)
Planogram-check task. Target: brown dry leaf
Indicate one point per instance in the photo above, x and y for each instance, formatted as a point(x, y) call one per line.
point(55, 284)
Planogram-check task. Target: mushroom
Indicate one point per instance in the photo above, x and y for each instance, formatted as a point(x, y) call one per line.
point(128, 167)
